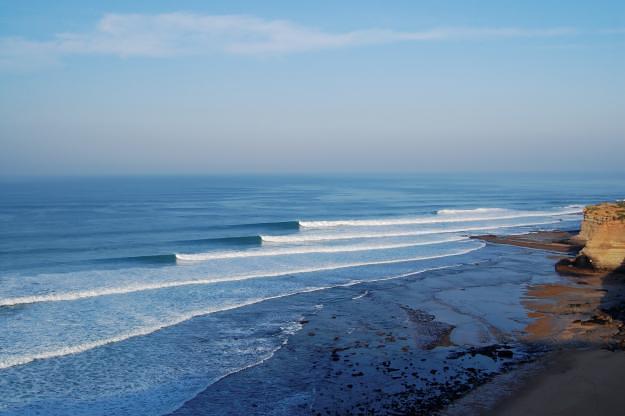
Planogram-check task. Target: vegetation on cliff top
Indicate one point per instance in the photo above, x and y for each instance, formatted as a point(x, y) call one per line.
point(608, 210)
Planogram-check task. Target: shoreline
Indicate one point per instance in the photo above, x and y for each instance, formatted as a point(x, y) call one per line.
point(557, 241)
point(382, 347)
point(392, 347)
point(582, 318)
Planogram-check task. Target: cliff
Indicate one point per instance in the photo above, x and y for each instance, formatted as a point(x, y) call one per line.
point(603, 235)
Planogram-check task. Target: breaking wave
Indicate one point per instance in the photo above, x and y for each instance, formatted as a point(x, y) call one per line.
point(305, 250)
point(447, 216)
point(93, 293)
point(76, 349)
point(303, 238)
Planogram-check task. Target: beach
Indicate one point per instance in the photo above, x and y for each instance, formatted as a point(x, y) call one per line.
point(385, 348)
point(572, 382)
point(581, 319)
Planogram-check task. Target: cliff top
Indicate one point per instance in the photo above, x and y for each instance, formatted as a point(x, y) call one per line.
point(606, 211)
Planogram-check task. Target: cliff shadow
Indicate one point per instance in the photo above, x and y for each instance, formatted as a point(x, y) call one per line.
point(613, 301)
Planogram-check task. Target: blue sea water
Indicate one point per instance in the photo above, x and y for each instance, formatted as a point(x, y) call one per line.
point(129, 295)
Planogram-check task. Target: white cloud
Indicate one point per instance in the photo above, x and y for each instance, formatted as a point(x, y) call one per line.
point(175, 34)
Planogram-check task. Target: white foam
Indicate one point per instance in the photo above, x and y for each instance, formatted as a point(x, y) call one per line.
point(304, 238)
point(84, 294)
point(304, 250)
point(76, 349)
point(471, 211)
point(479, 214)
point(362, 295)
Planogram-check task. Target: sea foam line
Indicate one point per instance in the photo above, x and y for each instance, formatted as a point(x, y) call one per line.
point(84, 294)
point(445, 217)
point(302, 238)
point(474, 210)
point(305, 250)
point(21, 360)
point(76, 349)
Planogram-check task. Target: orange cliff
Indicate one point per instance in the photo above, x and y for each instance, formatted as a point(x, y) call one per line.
point(603, 236)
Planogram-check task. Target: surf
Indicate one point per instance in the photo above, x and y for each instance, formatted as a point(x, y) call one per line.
point(304, 238)
point(122, 290)
point(147, 330)
point(445, 216)
point(304, 250)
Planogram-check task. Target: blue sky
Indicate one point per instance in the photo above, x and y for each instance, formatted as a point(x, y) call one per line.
point(124, 87)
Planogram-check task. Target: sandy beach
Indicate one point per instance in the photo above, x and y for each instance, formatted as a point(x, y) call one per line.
point(573, 382)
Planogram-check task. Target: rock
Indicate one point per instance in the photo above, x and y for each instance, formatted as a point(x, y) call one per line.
point(603, 233)
point(579, 266)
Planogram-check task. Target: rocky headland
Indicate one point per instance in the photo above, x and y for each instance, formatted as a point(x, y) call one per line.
point(599, 247)
point(602, 236)
point(588, 306)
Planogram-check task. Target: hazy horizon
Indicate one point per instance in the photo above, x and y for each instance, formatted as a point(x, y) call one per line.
point(153, 88)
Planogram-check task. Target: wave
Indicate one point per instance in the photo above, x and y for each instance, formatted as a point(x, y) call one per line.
point(21, 360)
point(304, 250)
point(447, 216)
point(360, 296)
point(156, 259)
point(303, 238)
point(278, 225)
point(243, 240)
point(76, 349)
point(248, 240)
point(470, 211)
point(93, 293)
point(257, 240)
point(150, 259)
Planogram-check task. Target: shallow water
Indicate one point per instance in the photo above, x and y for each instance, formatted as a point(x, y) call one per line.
point(395, 346)
point(131, 295)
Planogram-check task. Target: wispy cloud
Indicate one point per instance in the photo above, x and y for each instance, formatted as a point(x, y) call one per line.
point(176, 34)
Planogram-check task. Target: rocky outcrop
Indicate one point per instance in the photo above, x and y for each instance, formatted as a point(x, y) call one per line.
point(603, 236)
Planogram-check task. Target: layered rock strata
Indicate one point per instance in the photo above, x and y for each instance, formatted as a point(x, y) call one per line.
point(603, 236)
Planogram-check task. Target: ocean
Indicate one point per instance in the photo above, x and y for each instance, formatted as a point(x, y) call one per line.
point(131, 295)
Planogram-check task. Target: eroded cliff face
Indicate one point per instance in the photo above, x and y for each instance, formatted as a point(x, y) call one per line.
point(603, 232)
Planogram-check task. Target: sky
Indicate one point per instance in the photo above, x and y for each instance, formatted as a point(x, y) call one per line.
point(191, 87)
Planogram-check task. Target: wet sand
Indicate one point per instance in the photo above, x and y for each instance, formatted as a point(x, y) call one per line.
point(573, 383)
point(581, 318)
point(580, 308)
point(559, 241)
